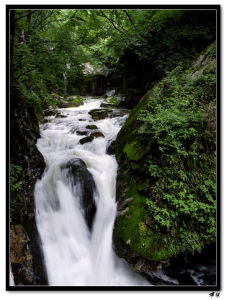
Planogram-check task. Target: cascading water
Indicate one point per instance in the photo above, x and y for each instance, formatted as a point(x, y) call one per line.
point(75, 255)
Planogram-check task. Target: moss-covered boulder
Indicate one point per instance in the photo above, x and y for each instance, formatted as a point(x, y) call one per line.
point(99, 114)
point(26, 167)
point(97, 134)
point(92, 127)
point(166, 178)
point(86, 139)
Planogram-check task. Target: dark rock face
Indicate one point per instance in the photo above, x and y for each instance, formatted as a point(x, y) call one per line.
point(86, 139)
point(137, 237)
point(24, 131)
point(76, 172)
point(111, 148)
point(97, 134)
point(82, 132)
point(98, 85)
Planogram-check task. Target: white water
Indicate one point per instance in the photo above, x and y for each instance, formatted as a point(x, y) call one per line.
point(74, 256)
point(11, 278)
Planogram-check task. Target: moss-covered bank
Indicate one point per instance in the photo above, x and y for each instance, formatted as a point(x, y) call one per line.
point(166, 189)
point(26, 166)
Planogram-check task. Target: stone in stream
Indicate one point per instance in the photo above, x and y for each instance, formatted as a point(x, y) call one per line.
point(76, 173)
point(97, 134)
point(86, 139)
point(49, 112)
point(59, 115)
point(111, 148)
point(82, 132)
point(99, 114)
point(91, 127)
point(103, 104)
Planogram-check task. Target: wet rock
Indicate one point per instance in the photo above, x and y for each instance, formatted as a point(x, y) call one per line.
point(119, 113)
point(49, 112)
point(24, 131)
point(103, 104)
point(99, 114)
point(82, 132)
point(65, 104)
point(77, 174)
point(59, 115)
point(20, 256)
point(91, 127)
point(111, 148)
point(87, 139)
point(97, 134)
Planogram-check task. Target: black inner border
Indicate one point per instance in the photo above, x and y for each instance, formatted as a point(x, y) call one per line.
point(216, 287)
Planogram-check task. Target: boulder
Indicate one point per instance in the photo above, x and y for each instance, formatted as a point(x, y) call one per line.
point(82, 132)
point(111, 148)
point(145, 227)
point(59, 115)
point(86, 139)
point(76, 173)
point(65, 104)
point(97, 134)
point(99, 114)
point(49, 112)
point(91, 127)
point(104, 104)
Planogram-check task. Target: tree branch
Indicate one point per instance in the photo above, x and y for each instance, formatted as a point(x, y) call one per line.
point(111, 21)
point(26, 15)
point(131, 21)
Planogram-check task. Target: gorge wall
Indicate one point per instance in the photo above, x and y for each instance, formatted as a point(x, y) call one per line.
point(166, 177)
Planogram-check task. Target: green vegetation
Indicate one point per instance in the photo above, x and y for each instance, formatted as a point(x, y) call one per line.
point(91, 127)
point(16, 198)
point(177, 198)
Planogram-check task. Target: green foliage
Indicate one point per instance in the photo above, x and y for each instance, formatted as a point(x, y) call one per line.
point(133, 151)
point(183, 170)
point(16, 199)
point(175, 125)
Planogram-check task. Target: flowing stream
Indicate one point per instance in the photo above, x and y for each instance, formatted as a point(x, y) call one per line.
point(74, 254)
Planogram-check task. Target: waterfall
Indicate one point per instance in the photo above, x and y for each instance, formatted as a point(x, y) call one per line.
point(75, 253)
point(11, 279)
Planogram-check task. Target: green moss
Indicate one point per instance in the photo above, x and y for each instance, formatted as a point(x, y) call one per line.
point(91, 127)
point(16, 197)
point(211, 50)
point(133, 151)
point(127, 132)
point(133, 229)
point(77, 101)
point(167, 149)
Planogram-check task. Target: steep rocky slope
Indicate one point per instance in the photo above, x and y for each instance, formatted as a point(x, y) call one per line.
point(26, 166)
point(166, 176)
